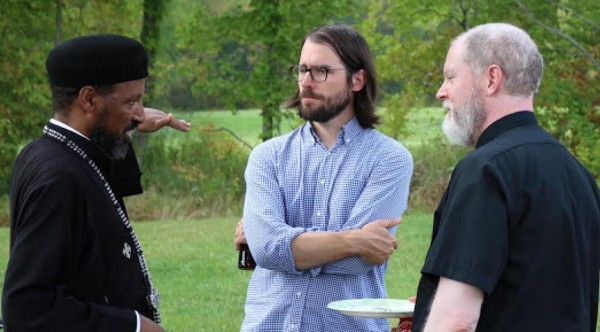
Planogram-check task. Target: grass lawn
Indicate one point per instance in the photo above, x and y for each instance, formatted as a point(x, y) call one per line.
point(423, 124)
point(194, 266)
point(246, 124)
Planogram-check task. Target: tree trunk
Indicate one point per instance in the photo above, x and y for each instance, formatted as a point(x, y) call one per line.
point(58, 31)
point(150, 37)
point(153, 14)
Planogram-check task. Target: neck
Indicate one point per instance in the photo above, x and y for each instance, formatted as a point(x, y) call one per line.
point(501, 107)
point(328, 131)
point(77, 123)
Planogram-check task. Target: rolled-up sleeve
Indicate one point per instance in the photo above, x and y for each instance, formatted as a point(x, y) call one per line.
point(269, 236)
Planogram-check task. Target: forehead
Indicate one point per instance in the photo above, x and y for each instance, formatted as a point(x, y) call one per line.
point(454, 58)
point(130, 88)
point(314, 54)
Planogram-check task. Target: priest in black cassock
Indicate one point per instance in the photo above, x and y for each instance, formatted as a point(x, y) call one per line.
point(75, 262)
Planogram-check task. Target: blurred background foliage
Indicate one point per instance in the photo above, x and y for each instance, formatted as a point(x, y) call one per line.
point(233, 55)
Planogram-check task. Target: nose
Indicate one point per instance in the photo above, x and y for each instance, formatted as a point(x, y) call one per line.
point(442, 94)
point(306, 81)
point(138, 113)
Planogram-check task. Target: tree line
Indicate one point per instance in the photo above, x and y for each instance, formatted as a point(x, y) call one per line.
point(235, 54)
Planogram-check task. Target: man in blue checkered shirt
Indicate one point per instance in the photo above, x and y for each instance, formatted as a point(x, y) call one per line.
point(323, 202)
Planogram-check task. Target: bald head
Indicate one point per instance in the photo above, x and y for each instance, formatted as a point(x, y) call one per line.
point(508, 47)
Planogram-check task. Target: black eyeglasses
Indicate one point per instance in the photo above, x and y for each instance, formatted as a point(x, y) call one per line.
point(317, 73)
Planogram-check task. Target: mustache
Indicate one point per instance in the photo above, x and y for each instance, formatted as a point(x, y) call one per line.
point(132, 126)
point(447, 105)
point(310, 94)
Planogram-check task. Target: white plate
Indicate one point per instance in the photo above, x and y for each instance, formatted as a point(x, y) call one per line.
point(374, 308)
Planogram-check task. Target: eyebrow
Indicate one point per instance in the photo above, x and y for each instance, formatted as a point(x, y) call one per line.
point(317, 65)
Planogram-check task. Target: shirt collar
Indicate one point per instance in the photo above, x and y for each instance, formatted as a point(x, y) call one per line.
point(67, 127)
point(349, 131)
point(504, 124)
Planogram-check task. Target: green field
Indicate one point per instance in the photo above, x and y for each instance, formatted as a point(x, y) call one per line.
point(423, 124)
point(246, 124)
point(194, 266)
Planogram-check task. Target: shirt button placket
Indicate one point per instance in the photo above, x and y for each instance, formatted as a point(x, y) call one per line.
point(294, 326)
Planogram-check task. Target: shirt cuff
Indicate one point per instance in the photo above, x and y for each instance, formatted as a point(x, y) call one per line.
point(137, 319)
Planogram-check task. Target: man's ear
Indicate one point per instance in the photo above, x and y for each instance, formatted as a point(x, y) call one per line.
point(89, 99)
point(495, 79)
point(358, 80)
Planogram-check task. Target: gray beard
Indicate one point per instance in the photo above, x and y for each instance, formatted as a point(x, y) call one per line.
point(463, 121)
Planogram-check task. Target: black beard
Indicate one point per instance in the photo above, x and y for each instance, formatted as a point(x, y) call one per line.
point(325, 112)
point(115, 147)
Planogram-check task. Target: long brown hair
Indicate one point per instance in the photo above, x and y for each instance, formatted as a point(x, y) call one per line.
point(353, 51)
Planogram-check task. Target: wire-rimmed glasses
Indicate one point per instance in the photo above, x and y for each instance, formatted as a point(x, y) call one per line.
point(317, 73)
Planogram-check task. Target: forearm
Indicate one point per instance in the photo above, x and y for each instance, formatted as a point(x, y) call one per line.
point(449, 323)
point(315, 249)
point(455, 307)
point(350, 266)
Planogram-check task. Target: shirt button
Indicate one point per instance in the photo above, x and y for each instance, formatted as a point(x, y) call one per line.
point(293, 326)
point(298, 294)
point(322, 181)
point(318, 213)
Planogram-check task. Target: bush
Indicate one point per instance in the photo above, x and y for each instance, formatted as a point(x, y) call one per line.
point(196, 175)
point(4, 215)
point(434, 158)
point(578, 130)
point(434, 161)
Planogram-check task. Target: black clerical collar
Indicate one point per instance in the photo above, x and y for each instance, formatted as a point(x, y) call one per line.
point(504, 124)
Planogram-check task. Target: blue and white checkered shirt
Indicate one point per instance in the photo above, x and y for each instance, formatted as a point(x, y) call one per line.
point(296, 185)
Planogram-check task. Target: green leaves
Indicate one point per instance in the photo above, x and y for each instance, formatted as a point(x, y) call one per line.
point(233, 54)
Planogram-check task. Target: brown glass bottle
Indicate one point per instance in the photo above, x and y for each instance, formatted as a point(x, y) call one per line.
point(245, 259)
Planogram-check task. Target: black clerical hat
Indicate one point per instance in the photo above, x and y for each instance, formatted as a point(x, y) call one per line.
point(101, 59)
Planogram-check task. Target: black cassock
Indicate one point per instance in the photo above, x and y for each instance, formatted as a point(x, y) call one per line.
point(73, 264)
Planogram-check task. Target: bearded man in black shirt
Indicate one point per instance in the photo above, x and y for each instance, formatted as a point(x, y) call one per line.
point(516, 235)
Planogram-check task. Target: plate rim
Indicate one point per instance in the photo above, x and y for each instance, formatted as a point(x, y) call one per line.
point(372, 314)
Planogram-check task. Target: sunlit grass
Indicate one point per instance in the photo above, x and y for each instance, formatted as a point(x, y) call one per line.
point(424, 124)
point(194, 266)
point(245, 124)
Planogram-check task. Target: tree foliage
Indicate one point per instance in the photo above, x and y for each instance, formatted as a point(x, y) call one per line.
point(411, 37)
point(234, 54)
point(239, 57)
point(28, 33)
point(153, 14)
point(23, 92)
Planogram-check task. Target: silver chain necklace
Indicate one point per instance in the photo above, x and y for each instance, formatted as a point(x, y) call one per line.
point(153, 297)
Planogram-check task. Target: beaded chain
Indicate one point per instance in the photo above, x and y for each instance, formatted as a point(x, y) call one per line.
point(153, 297)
